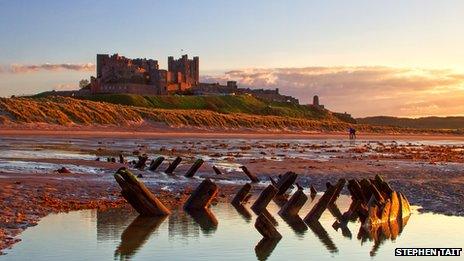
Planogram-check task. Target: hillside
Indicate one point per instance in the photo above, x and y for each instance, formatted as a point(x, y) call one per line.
point(419, 123)
point(66, 111)
point(71, 112)
point(223, 104)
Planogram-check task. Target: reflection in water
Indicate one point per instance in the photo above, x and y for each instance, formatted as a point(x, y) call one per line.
point(205, 219)
point(111, 222)
point(103, 235)
point(265, 247)
point(243, 211)
point(281, 200)
point(181, 224)
point(269, 216)
point(296, 223)
point(380, 234)
point(136, 234)
point(323, 236)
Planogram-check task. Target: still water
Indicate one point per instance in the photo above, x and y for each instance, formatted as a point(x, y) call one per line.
point(225, 233)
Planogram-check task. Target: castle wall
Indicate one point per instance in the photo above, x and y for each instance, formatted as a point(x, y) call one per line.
point(132, 88)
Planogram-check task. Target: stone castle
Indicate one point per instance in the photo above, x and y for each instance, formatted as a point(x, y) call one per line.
point(118, 74)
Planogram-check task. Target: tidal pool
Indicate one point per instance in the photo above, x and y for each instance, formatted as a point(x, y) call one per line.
point(224, 233)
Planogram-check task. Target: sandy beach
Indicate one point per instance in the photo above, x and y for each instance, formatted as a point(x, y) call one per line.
point(427, 169)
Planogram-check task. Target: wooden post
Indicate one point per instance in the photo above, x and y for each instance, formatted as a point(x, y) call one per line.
point(138, 196)
point(376, 192)
point(242, 194)
point(264, 198)
point(338, 189)
point(285, 182)
point(356, 192)
point(243, 212)
point(313, 191)
point(121, 158)
point(373, 219)
point(191, 172)
point(156, 163)
point(266, 228)
point(218, 171)
point(141, 163)
point(173, 165)
point(395, 206)
point(385, 216)
point(294, 204)
point(384, 186)
point(404, 207)
point(251, 176)
point(324, 201)
point(202, 197)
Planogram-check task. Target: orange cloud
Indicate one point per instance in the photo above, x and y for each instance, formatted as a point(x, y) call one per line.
point(18, 68)
point(363, 90)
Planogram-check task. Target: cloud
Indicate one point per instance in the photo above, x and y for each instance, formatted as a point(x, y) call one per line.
point(19, 68)
point(362, 90)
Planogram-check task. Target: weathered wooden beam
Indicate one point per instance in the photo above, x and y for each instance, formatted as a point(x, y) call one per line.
point(217, 171)
point(373, 218)
point(196, 165)
point(266, 228)
point(250, 175)
point(294, 204)
point(405, 210)
point(202, 197)
point(352, 211)
point(264, 198)
point(366, 189)
point(141, 162)
point(376, 192)
point(121, 158)
point(384, 186)
point(324, 201)
point(337, 191)
point(356, 192)
point(313, 191)
point(173, 165)
point(285, 182)
point(243, 211)
point(156, 163)
point(138, 196)
point(385, 214)
point(395, 206)
point(242, 194)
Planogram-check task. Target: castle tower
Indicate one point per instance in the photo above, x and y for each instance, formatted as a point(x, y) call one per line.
point(316, 100)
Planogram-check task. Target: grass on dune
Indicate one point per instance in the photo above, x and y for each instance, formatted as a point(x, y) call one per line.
point(223, 104)
point(65, 111)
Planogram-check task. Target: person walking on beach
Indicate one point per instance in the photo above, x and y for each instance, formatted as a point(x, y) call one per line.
point(352, 133)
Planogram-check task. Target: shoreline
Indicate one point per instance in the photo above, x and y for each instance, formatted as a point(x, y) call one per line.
point(166, 132)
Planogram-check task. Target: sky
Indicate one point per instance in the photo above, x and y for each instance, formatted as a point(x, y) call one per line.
point(398, 58)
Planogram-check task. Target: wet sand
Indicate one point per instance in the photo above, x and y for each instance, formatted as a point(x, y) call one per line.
point(426, 175)
point(169, 132)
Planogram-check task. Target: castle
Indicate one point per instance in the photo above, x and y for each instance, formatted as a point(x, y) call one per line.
point(118, 74)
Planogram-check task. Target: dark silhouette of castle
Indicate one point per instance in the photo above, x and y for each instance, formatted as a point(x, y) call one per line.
point(118, 74)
